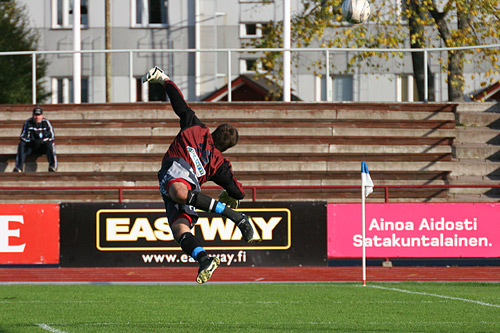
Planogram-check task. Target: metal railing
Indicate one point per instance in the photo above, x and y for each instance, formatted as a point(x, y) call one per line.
point(229, 55)
point(253, 189)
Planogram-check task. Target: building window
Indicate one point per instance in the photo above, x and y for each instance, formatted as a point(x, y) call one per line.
point(138, 90)
point(335, 88)
point(407, 89)
point(147, 13)
point(253, 30)
point(141, 90)
point(62, 13)
point(250, 65)
point(342, 88)
point(62, 90)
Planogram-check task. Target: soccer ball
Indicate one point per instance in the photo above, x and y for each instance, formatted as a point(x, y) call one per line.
point(356, 11)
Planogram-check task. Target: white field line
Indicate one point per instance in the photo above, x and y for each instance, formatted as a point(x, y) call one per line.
point(221, 324)
point(436, 295)
point(49, 302)
point(49, 328)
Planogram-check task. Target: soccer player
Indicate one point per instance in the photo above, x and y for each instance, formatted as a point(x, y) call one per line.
point(194, 157)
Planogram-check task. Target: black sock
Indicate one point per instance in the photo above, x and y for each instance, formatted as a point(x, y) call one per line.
point(192, 246)
point(208, 204)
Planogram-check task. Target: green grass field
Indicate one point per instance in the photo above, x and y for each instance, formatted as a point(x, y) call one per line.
point(285, 307)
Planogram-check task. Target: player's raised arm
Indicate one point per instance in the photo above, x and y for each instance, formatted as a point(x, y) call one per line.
point(181, 108)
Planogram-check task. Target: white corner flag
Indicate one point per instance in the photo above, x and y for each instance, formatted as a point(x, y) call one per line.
point(366, 189)
point(366, 181)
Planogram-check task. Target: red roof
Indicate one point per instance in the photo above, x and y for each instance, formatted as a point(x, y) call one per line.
point(244, 88)
point(491, 93)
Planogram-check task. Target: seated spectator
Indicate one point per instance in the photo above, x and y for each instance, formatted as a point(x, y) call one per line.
point(37, 137)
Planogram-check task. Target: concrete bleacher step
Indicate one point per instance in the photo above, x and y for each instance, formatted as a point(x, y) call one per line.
point(287, 162)
point(478, 151)
point(478, 114)
point(482, 187)
point(284, 131)
point(260, 139)
point(172, 122)
point(247, 157)
point(469, 167)
point(141, 148)
point(244, 110)
point(477, 135)
point(480, 119)
point(490, 193)
point(254, 166)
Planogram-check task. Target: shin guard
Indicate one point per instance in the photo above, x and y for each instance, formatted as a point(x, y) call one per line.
point(208, 204)
point(191, 246)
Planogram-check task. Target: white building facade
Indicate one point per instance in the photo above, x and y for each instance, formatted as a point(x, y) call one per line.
point(197, 25)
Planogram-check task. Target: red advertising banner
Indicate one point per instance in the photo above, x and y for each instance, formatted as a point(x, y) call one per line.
point(415, 230)
point(29, 234)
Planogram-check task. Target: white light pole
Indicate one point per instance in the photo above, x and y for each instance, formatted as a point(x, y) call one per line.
point(77, 56)
point(216, 54)
point(197, 46)
point(286, 54)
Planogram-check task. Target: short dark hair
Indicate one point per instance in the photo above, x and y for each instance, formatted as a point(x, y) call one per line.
point(225, 136)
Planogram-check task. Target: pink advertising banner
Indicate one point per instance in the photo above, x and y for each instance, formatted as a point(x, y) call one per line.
point(415, 230)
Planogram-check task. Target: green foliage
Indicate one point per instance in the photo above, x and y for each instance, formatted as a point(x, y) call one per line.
point(252, 307)
point(16, 71)
point(422, 22)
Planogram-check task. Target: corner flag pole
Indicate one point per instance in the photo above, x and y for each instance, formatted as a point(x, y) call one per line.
point(363, 200)
point(366, 189)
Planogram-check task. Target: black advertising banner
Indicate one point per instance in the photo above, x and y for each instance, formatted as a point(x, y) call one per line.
point(138, 234)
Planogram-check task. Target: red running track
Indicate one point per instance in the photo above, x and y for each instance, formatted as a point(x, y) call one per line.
point(247, 274)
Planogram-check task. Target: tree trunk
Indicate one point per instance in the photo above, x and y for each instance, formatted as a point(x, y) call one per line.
point(455, 76)
point(455, 58)
point(417, 42)
point(419, 74)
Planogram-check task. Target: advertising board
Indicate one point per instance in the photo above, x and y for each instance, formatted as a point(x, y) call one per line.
point(415, 230)
point(29, 234)
point(138, 234)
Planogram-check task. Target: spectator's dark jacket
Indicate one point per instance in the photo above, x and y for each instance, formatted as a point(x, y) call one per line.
point(37, 133)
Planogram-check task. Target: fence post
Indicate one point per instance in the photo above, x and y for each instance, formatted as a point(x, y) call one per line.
point(328, 82)
point(130, 74)
point(33, 78)
point(229, 85)
point(426, 78)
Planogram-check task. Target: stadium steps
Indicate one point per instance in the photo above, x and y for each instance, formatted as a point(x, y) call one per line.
point(305, 144)
point(477, 151)
point(239, 110)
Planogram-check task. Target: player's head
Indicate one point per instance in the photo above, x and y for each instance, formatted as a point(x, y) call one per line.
point(225, 136)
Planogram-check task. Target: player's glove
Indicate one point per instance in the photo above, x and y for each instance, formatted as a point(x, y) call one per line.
point(228, 201)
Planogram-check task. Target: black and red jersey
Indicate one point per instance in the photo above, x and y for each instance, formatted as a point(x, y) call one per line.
point(194, 144)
